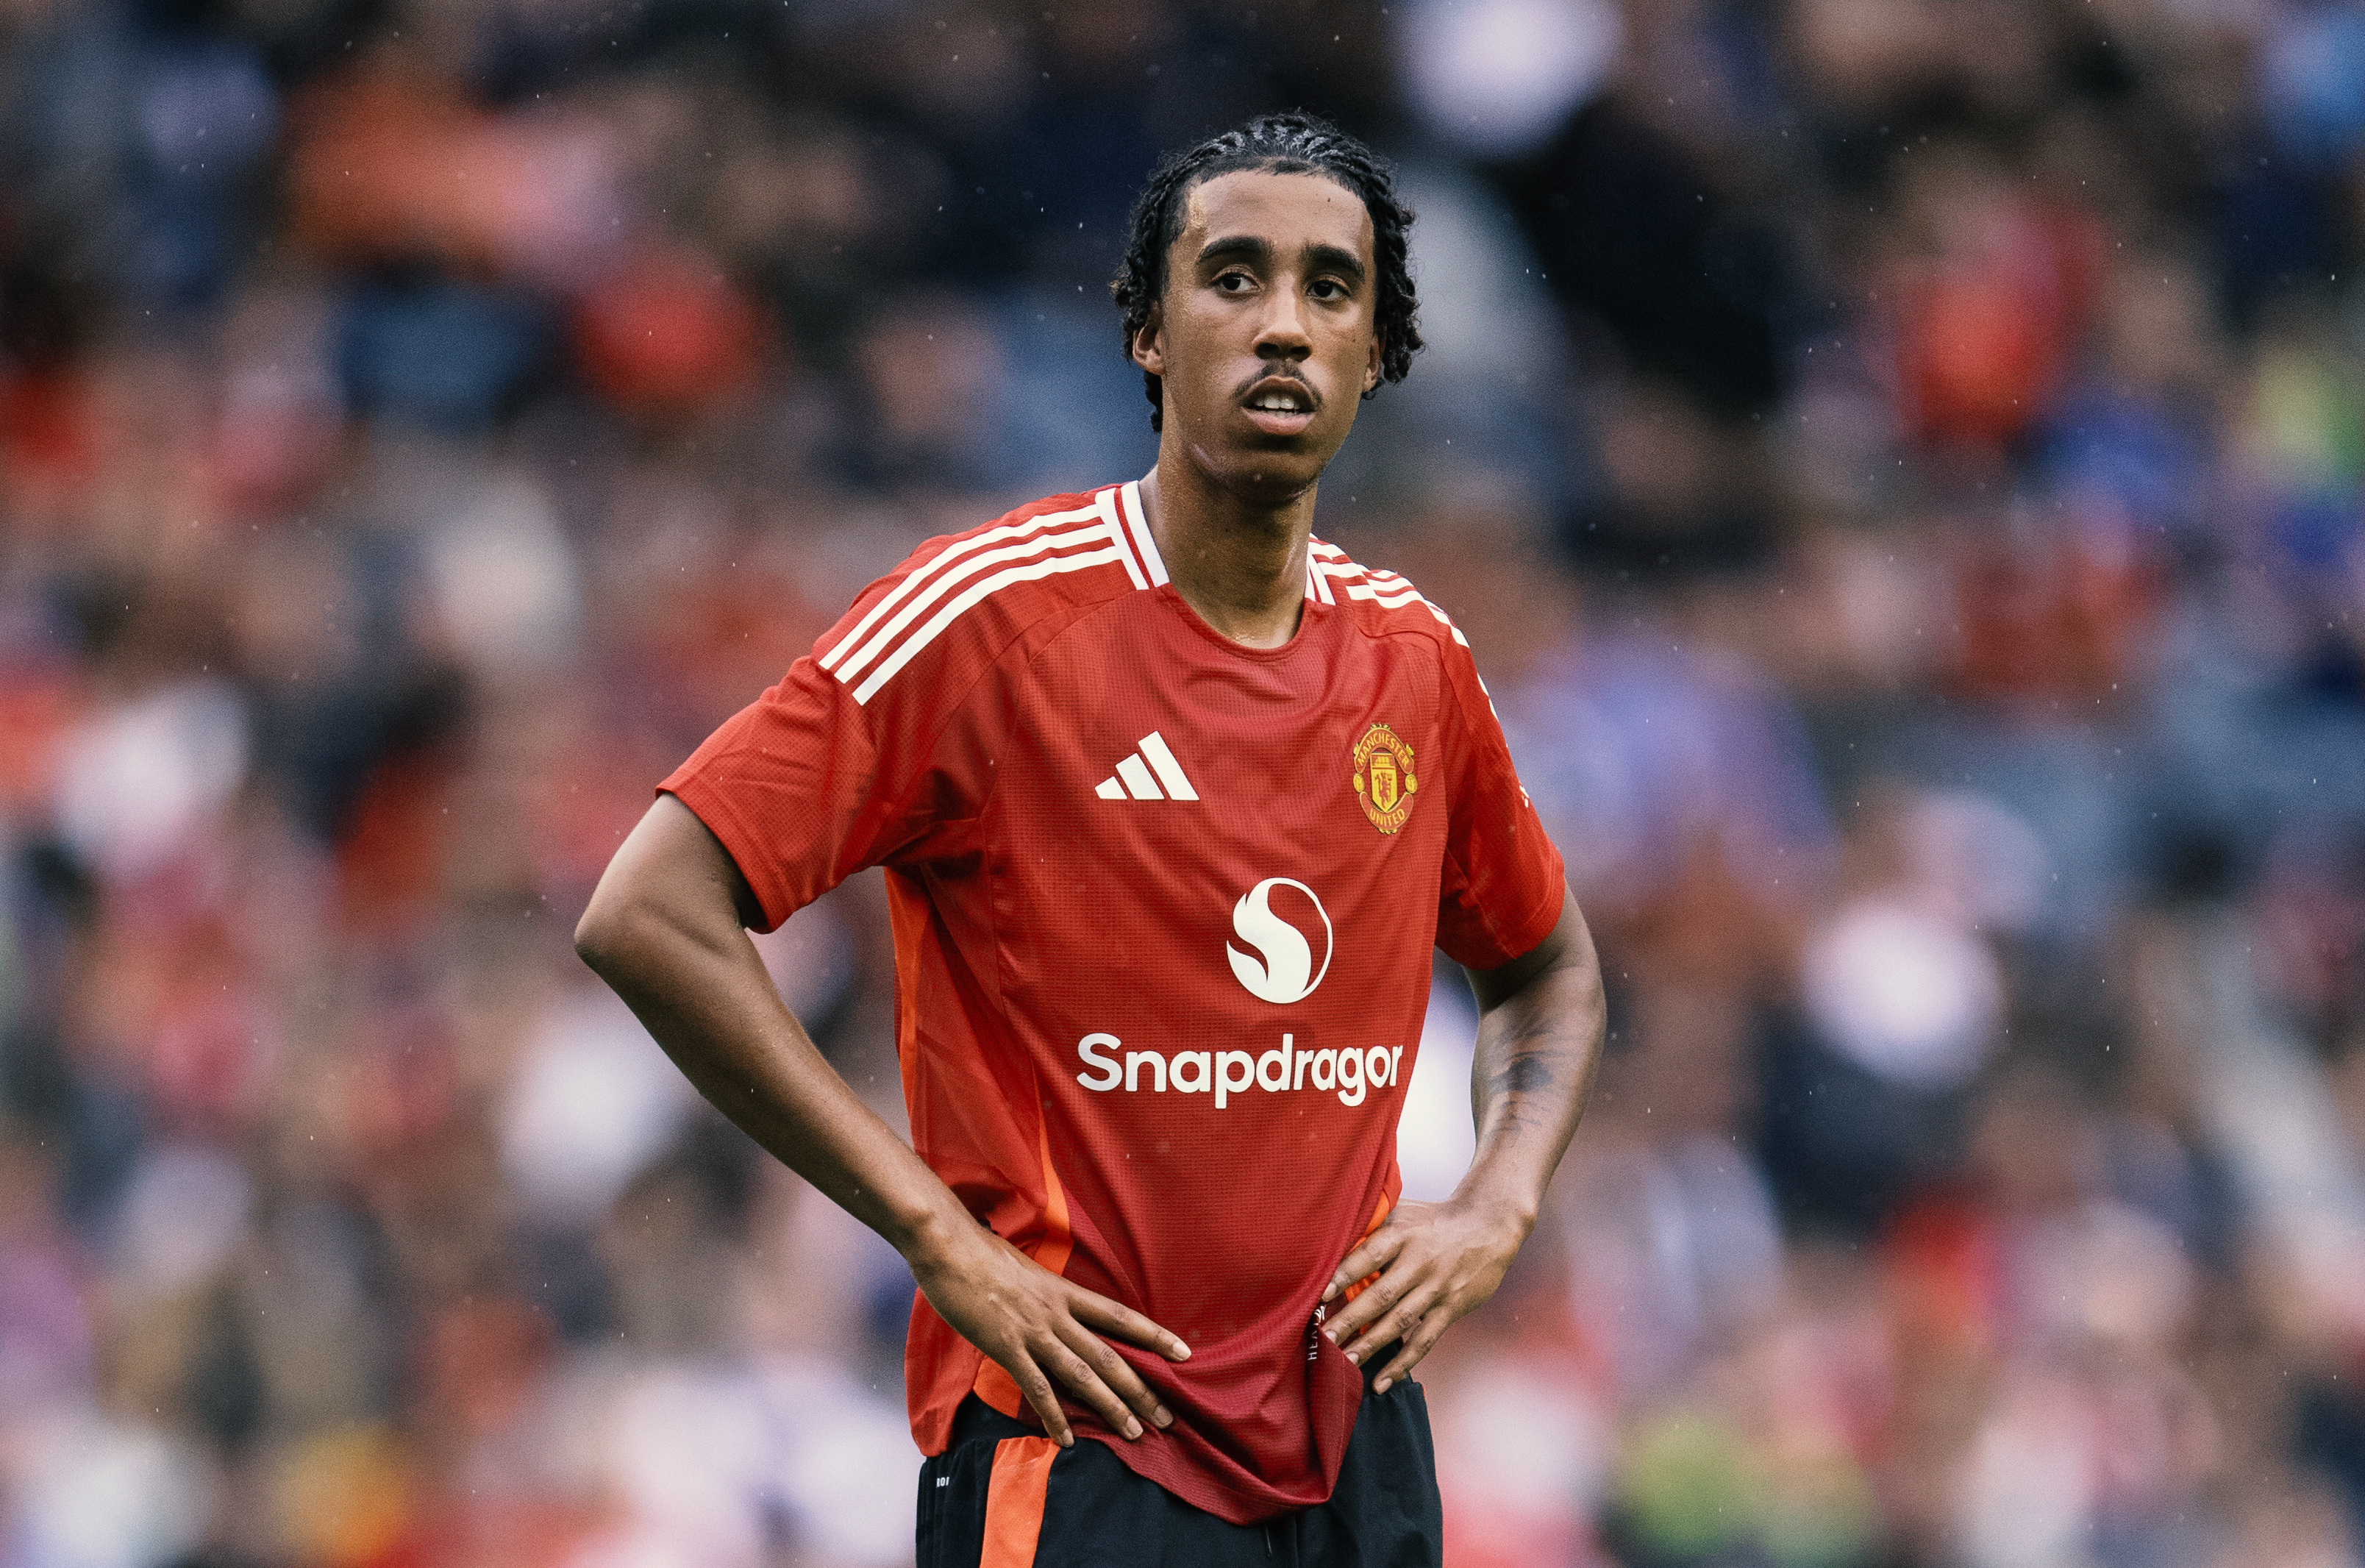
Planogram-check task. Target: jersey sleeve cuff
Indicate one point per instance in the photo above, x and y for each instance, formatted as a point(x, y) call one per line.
point(738, 840)
point(1523, 938)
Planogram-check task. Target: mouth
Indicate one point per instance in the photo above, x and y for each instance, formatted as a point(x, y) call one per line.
point(1280, 405)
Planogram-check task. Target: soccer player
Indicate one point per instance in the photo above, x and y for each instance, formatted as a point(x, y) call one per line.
point(1174, 802)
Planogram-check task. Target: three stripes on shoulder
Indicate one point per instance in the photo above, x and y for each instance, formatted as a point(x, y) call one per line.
point(942, 588)
point(1109, 532)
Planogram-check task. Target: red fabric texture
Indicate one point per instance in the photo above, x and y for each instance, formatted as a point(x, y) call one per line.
point(964, 724)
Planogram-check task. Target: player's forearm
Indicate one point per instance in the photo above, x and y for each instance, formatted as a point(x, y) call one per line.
point(666, 937)
point(1539, 1029)
point(1538, 1045)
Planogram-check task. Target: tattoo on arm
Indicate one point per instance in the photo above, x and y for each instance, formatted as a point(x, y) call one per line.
point(1531, 1068)
point(1541, 1026)
point(1526, 1073)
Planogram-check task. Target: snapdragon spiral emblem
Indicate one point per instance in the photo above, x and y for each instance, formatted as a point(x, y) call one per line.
point(1282, 971)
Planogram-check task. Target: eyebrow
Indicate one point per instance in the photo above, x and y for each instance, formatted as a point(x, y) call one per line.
point(1255, 248)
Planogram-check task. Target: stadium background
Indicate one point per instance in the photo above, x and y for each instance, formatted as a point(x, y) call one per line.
point(1898, 462)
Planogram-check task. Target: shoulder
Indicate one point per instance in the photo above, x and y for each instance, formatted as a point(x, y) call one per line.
point(1386, 604)
point(1383, 603)
point(959, 599)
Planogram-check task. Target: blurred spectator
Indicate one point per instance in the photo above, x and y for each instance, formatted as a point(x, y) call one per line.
point(1901, 469)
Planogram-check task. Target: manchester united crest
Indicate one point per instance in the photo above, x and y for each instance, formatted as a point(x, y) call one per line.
point(1384, 778)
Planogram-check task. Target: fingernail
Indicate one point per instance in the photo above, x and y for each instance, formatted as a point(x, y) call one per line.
point(1352, 1357)
point(1381, 1386)
point(1330, 1291)
point(1132, 1427)
point(1162, 1415)
point(1331, 1335)
point(1182, 1351)
point(1066, 1439)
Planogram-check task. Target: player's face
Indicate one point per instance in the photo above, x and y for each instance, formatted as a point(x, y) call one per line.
point(1265, 337)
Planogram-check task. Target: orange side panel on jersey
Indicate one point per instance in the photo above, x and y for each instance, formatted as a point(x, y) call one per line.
point(1058, 1239)
point(998, 1389)
point(1379, 1217)
point(993, 1385)
point(1013, 1501)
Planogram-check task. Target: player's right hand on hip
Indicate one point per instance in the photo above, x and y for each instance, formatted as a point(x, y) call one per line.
point(1045, 1332)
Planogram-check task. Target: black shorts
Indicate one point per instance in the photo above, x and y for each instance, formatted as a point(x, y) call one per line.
point(1094, 1513)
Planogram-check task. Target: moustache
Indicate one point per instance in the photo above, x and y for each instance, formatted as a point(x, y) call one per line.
point(1313, 398)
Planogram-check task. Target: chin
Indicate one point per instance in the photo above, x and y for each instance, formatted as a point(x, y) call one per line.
point(1267, 476)
point(1271, 478)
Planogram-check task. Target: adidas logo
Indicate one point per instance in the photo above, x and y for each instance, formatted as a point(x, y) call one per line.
point(1141, 780)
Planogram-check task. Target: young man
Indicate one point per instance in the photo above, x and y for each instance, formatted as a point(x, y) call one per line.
point(1174, 802)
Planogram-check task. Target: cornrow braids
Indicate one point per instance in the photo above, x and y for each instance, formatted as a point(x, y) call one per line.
point(1294, 143)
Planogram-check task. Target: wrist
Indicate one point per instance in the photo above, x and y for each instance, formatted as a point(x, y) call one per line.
point(934, 1240)
point(1505, 1206)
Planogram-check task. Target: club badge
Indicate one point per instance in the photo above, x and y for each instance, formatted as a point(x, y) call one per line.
point(1384, 778)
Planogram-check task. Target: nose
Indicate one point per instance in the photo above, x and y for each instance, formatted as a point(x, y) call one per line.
point(1281, 331)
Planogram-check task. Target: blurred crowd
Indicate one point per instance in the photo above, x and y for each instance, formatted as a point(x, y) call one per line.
point(1899, 464)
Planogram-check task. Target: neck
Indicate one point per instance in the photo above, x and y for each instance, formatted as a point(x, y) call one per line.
point(1240, 565)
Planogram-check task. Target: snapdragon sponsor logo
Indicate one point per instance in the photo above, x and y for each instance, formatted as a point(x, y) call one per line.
point(1282, 969)
point(1350, 1074)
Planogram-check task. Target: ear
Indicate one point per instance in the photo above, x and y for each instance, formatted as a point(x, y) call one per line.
point(1372, 364)
point(1150, 344)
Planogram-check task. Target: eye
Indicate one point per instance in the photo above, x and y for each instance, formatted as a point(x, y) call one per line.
point(1328, 288)
point(1234, 282)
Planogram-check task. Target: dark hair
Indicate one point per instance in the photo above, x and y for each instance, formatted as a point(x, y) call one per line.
point(1295, 143)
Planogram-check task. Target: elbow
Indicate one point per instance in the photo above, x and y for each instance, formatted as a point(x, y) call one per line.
point(591, 939)
point(664, 895)
point(599, 936)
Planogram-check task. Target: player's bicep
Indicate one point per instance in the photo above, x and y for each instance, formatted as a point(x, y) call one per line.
point(717, 864)
point(1504, 891)
point(1568, 942)
point(796, 792)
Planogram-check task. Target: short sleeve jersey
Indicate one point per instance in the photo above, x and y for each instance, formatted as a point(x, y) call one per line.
point(1163, 907)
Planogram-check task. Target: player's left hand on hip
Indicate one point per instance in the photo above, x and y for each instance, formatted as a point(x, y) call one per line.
point(1436, 1263)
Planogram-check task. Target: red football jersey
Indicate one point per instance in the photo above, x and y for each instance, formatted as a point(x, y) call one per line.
point(1163, 908)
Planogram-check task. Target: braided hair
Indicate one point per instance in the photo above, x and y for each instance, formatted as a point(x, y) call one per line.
point(1294, 143)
